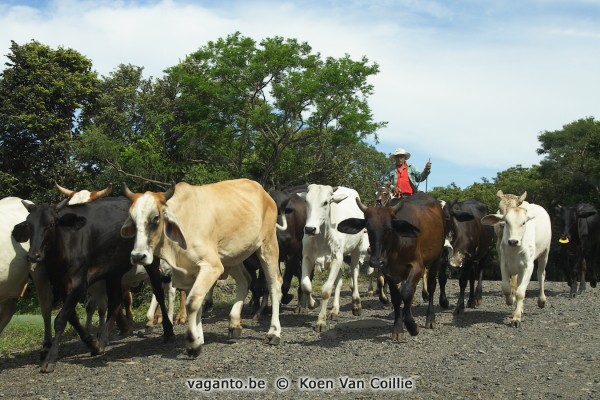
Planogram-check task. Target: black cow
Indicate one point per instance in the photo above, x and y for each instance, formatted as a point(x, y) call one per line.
point(471, 242)
point(80, 245)
point(580, 236)
point(405, 240)
point(290, 239)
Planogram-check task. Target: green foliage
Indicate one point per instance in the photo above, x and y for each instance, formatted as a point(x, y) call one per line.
point(41, 94)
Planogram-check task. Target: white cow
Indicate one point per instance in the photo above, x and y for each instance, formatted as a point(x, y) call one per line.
point(15, 269)
point(325, 208)
point(526, 237)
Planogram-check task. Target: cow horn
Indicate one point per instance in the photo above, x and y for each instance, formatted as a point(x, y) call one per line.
point(362, 207)
point(61, 204)
point(397, 207)
point(66, 192)
point(104, 192)
point(127, 192)
point(170, 192)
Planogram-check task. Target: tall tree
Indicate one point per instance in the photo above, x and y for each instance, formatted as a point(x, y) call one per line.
point(254, 110)
point(42, 92)
point(572, 161)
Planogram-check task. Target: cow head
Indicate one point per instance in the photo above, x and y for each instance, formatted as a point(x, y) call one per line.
point(83, 196)
point(567, 217)
point(515, 224)
point(40, 227)
point(318, 207)
point(456, 244)
point(383, 228)
point(150, 222)
point(509, 200)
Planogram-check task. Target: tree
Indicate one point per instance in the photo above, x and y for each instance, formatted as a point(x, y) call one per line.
point(264, 111)
point(572, 161)
point(42, 92)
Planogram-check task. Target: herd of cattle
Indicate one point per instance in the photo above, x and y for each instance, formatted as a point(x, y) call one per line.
point(190, 236)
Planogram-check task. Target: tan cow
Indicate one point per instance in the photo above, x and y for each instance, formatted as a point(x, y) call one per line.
point(203, 231)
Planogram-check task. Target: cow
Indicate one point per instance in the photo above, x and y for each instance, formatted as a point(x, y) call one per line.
point(526, 236)
point(97, 299)
point(202, 232)
point(326, 207)
point(290, 240)
point(80, 245)
point(15, 270)
point(471, 242)
point(580, 235)
point(405, 239)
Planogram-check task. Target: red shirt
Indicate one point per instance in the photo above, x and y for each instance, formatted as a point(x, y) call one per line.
point(403, 183)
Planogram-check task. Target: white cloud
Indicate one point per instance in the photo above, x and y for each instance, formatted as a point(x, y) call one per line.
point(470, 86)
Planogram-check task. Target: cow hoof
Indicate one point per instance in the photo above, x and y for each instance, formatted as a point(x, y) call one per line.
point(235, 333)
point(194, 353)
point(315, 305)
point(333, 316)
point(47, 367)
point(356, 311)
point(593, 283)
point(425, 296)
point(384, 300)
point(516, 323)
point(320, 327)
point(286, 298)
point(430, 325)
point(541, 303)
point(272, 340)
point(397, 336)
point(149, 330)
point(471, 304)
point(478, 302)
point(456, 311)
point(169, 338)
point(181, 321)
point(369, 293)
point(412, 328)
point(445, 304)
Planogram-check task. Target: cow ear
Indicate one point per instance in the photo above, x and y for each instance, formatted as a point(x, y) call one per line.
point(404, 228)
point(21, 232)
point(352, 226)
point(128, 228)
point(463, 216)
point(492, 219)
point(173, 231)
point(72, 222)
point(522, 197)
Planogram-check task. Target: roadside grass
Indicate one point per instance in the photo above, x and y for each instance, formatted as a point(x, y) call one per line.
point(25, 332)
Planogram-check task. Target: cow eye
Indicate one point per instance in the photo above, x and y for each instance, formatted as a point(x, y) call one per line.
point(154, 222)
point(325, 203)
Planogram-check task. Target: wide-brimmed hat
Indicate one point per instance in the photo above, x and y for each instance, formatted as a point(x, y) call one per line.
point(399, 151)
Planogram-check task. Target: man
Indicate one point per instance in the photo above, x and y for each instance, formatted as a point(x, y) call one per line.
point(403, 178)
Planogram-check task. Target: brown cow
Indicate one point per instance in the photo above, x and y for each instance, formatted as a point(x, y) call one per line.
point(406, 240)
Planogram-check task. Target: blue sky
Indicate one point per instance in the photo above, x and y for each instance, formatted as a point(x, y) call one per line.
point(470, 84)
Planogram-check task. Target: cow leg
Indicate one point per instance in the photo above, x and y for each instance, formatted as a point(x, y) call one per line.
point(45, 297)
point(472, 274)
point(576, 274)
point(332, 280)
point(67, 313)
point(291, 268)
point(462, 283)
point(308, 266)
point(242, 280)
point(431, 282)
point(541, 274)
point(582, 272)
point(169, 292)
point(126, 322)
point(424, 289)
point(443, 279)
point(522, 283)
point(398, 329)
point(209, 301)
point(156, 282)
point(209, 272)
point(115, 301)
point(507, 283)
point(356, 306)
point(371, 275)
point(407, 291)
point(268, 255)
point(151, 314)
point(335, 310)
point(182, 314)
point(7, 310)
point(381, 284)
point(479, 289)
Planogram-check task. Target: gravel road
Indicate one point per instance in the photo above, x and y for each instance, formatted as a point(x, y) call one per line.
point(476, 355)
